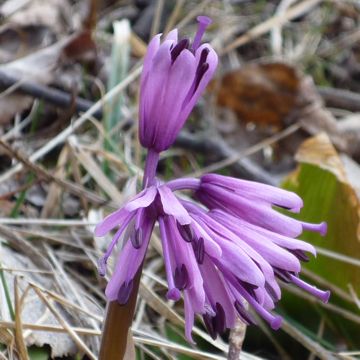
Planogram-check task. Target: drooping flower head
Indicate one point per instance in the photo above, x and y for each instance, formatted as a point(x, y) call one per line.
point(175, 74)
point(233, 250)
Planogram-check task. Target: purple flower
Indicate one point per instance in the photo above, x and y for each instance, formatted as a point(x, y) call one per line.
point(220, 256)
point(175, 74)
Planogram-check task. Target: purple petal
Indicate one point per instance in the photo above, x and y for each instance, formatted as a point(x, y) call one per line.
point(172, 35)
point(189, 317)
point(255, 212)
point(193, 96)
point(255, 190)
point(178, 84)
point(216, 290)
point(129, 262)
point(142, 200)
point(173, 293)
point(111, 221)
point(172, 206)
point(153, 93)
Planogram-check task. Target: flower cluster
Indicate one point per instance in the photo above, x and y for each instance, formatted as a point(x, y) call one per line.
point(227, 247)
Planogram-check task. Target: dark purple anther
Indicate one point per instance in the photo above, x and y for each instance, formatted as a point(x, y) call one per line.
point(208, 321)
point(186, 232)
point(219, 320)
point(136, 238)
point(181, 277)
point(125, 292)
point(249, 288)
point(282, 275)
point(102, 266)
point(203, 56)
point(178, 48)
point(243, 313)
point(200, 251)
point(201, 70)
point(301, 255)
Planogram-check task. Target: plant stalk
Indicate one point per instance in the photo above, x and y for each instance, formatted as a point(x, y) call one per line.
point(117, 324)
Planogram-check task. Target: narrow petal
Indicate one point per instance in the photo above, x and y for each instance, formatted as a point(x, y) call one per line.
point(129, 262)
point(172, 35)
point(172, 206)
point(179, 82)
point(142, 200)
point(255, 190)
point(111, 221)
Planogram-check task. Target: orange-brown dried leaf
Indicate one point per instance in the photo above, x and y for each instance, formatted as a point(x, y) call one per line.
point(264, 94)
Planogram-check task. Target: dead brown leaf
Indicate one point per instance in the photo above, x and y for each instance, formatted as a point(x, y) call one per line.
point(264, 94)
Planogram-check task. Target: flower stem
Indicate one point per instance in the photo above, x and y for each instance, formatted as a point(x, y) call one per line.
point(151, 163)
point(117, 324)
point(118, 319)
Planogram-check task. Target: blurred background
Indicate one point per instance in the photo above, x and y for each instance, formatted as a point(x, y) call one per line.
point(283, 109)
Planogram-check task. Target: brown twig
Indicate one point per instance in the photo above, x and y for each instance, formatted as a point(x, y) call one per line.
point(41, 172)
point(340, 98)
point(54, 96)
point(237, 336)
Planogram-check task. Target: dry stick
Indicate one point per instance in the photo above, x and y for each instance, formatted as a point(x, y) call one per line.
point(174, 16)
point(64, 324)
point(237, 336)
point(19, 337)
point(62, 136)
point(267, 25)
point(307, 342)
point(236, 156)
point(40, 171)
point(54, 96)
point(157, 18)
point(340, 98)
point(117, 325)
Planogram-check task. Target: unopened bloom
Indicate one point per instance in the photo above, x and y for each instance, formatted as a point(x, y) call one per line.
point(174, 75)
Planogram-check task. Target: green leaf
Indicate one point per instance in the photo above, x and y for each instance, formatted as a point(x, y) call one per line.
point(37, 353)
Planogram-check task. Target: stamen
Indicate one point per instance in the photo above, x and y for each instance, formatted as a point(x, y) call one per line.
point(203, 23)
point(173, 293)
point(137, 238)
point(124, 292)
point(102, 266)
point(181, 277)
point(200, 251)
point(186, 232)
point(283, 275)
point(300, 255)
point(219, 320)
point(178, 48)
point(322, 295)
point(208, 321)
point(320, 228)
point(245, 316)
point(201, 70)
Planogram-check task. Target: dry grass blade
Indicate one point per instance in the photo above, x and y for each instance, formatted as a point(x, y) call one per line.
point(95, 171)
point(236, 340)
point(20, 244)
point(50, 328)
point(65, 325)
point(50, 207)
point(309, 344)
point(261, 29)
point(41, 172)
point(249, 151)
point(19, 337)
point(62, 136)
point(195, 354)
